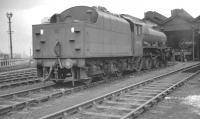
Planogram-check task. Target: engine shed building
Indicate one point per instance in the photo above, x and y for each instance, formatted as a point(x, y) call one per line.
point(182, 32)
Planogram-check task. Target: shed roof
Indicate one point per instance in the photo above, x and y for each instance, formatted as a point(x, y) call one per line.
point(181, 13)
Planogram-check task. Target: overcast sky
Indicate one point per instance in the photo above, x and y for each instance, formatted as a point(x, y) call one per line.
point(29, 12)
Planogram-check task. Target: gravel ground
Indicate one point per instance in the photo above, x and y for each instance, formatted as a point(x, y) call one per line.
point(183, 103)
point(76, 98)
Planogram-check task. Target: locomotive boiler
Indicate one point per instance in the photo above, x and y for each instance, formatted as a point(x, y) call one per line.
point(85, 42)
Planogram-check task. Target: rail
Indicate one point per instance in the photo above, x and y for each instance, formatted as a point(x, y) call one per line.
point(99, 100)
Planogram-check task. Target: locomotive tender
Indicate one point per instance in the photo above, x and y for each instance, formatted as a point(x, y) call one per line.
point(85, 42)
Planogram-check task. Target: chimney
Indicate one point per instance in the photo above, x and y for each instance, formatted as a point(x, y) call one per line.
point(177, 12)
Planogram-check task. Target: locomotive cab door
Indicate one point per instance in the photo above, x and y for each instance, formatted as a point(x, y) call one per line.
point(137, 38)
point(136, 35)
point(132, 36)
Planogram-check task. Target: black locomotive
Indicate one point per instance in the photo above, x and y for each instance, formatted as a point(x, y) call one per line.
point(85, 42)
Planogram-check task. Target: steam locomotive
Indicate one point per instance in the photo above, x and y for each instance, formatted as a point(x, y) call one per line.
point(86, 42)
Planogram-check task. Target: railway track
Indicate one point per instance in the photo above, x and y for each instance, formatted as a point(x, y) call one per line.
point(128, 102)
point(181, 104)
point(11, 74)
point(24, 98)
point(21, 99)
point(25, 77)
point(18, 78)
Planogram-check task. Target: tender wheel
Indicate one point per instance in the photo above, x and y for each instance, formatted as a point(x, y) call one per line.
point(88, 81)
point(155, 63)
point(139, 64)
point(39, 71)
point(148, 63)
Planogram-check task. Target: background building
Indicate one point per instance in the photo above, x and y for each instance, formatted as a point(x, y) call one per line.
point(182, 31)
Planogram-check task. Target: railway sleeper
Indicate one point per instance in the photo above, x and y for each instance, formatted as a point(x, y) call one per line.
point(147, 90)
point(139, 96)
point(132, 104)
point(113, 108)
point(113, 116)
point(130, 99)
point(142, 92)
point(5, 110)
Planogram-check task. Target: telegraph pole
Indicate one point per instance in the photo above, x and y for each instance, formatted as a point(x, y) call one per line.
point(193, 43)
point(9, 16)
